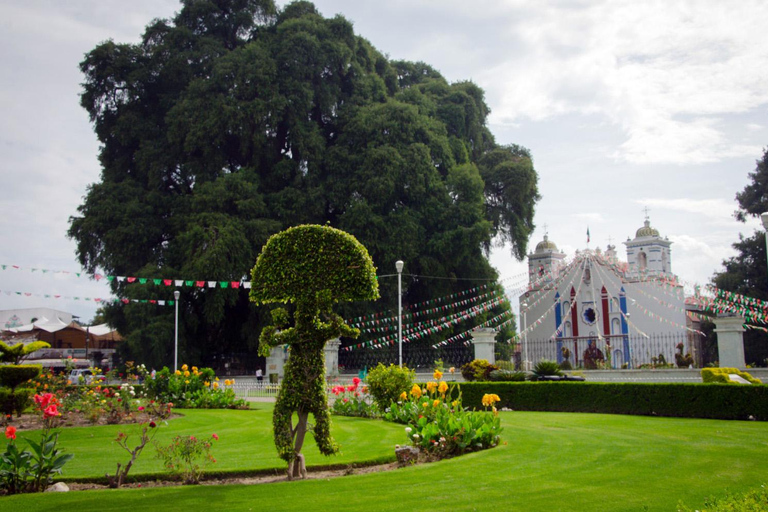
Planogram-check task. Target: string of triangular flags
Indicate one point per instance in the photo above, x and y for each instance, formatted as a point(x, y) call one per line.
point(418, 334)
point(97, 300)
point(179, 283)
point(467, 334)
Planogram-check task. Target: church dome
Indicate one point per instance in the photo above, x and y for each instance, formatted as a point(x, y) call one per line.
point(646, 230)
point(546, 245)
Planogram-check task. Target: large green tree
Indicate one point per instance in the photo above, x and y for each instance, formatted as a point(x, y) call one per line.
point(234, 120)
point(745, 273)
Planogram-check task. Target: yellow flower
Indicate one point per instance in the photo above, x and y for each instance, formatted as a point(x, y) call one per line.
point(215, 385)
point(455, 403)
point(206, 383)
point(425, 404)
point(403, 396)
point(186, 373)
point(416, 391)
point(443, 387)
point(431, 386)
point(184, 367)
point(186, 381)
point(437, 375)
point(178, 372)
point(217, 379)
point(194, 368)
point(490, 399)
point(436, 403)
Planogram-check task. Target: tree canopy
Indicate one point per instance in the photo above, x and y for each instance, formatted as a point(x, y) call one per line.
point(235, 120)
point(746, 273)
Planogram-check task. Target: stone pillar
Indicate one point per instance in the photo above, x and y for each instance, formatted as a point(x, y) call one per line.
point(332, 357)
point(276, 361)
point(730, 341)
point(484, 342)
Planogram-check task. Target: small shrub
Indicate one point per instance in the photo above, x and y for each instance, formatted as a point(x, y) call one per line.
point(479, 369)
point(709, 375)
point(506, 365)
point(386, 383)
point(682, 361)
point(545, 368)
point(566, 365)
point(11, 375)
point(506, 376)
point(187, 457)
point(15, 403)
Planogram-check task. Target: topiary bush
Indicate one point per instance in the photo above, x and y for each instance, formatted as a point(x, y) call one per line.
point(11, 375)
point(479, 369)
point(15, 402)
point(545, 368)
point(387, 383)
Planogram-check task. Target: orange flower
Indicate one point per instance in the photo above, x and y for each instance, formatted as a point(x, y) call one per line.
point(416, 391)
point(443, 387)
point(437, 375)
point(431, 386)
point(436, 403)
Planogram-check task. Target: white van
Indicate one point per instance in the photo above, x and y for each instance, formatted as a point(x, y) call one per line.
point(86, 374)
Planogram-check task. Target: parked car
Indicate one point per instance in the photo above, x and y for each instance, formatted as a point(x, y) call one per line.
point(87, 377)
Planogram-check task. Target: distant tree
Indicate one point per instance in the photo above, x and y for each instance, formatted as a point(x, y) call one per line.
point(234, 120)
point(746, 273)
point(313, 268)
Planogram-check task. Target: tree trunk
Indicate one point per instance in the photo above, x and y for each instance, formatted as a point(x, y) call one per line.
point(297, 468)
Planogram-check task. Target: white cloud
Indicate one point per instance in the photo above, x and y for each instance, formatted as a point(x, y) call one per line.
point(718, 209)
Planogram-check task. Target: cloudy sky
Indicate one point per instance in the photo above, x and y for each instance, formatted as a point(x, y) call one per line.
point(625, 105)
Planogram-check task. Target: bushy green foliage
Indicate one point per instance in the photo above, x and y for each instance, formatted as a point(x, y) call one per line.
point(15, 402)
point(440, 425)
point(12, 375)
point(386, 383)
point(709, 375)
point(716, 401)
point(545, 368)
point(313, 267)
point(755, 500)
point(505, 365)
point(479, 369)
point(192, 388)
point(506, 376)
point(16, 353)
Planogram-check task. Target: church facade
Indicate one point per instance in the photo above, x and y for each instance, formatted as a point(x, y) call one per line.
point(597, 311)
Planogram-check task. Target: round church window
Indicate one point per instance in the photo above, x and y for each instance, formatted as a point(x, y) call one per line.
point(590, 315)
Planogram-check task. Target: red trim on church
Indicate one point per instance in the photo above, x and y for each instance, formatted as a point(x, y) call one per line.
point(575, 325)
point(606, 320)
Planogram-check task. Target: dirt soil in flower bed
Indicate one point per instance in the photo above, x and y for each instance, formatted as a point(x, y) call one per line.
point(245, 480)
point(74, 419)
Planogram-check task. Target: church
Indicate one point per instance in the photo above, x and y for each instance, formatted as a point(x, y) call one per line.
point(596, 311)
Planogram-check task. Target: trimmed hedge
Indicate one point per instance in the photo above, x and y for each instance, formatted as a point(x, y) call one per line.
point(12, 375)
point(15, 402)
point(714, 401)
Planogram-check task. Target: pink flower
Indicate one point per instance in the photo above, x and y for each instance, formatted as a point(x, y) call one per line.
point(44, 400)
point(346, 400)
point(215, 436)
point(50, 411)
point(192, 438)
point(141, 408)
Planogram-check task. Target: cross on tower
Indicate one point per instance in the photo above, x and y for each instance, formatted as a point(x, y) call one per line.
point(546, 232)
point(646, 210)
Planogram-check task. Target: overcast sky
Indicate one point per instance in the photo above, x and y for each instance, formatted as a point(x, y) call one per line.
point(624, 105)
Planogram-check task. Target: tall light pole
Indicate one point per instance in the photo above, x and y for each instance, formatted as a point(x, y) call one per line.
point(176, 296)
point(399, 267)
point(525, 336)
point(764, 218)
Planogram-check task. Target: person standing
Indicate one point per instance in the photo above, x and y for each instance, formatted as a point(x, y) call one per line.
point(259, 375)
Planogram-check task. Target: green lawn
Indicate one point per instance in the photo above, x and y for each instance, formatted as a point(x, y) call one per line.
point(552, 461)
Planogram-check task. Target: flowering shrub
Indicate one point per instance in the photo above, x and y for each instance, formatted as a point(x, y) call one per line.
point(353, 400)
point(193, 388)
point(187, 457)
point(148, 432)
point(32, 471)
point(438, 424)
point(387, 382)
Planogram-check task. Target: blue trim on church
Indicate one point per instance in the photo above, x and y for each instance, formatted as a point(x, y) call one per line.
point(624, 326)
point(558, 321)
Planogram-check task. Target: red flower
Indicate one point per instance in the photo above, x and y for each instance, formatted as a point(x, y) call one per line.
point(10, 432)
point(152, 424)
point(141, 408)
point(351, 387)
point(45, 400)
point(215, 436)
point(50, 411)
point(355, 381)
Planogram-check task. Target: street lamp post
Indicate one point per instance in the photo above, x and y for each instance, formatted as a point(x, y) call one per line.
point(525, 337)
point(176, 296)
point(399, 267)
point(764, 218)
